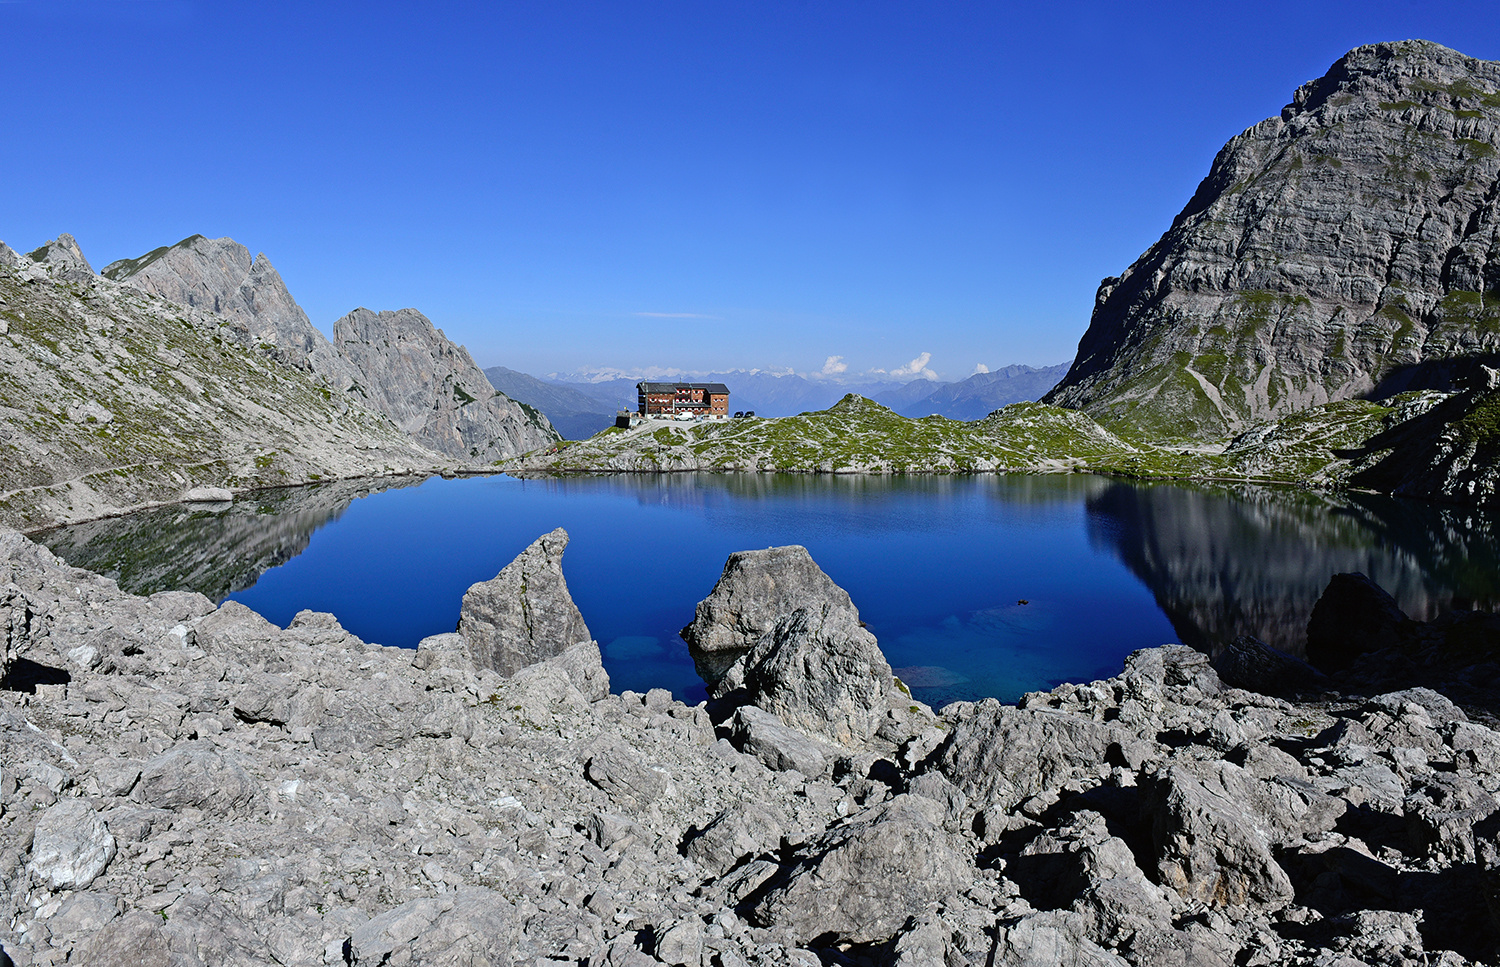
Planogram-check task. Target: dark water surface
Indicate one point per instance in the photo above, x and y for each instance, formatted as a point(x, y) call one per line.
point(938, 566)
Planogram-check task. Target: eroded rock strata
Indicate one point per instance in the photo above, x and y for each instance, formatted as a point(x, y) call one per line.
point(1345, 248)
point(184, 784)
point(111, 398)
point(433, 389)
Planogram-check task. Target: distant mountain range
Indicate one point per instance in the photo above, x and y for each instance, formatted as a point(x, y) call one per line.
point(579, 406)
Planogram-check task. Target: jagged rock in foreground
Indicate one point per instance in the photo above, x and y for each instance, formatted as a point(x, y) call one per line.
point(111, 398)
point(301, 797)
point(432, 389)
point(524, 614)
point(756, 590)
point(779, 633)
point(1341, 249)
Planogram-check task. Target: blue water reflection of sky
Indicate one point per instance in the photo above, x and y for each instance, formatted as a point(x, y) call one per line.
point(937, 568)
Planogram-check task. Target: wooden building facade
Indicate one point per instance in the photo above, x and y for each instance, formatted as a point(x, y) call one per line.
point(674, 399)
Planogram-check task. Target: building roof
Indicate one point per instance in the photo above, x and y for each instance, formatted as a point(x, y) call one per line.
point(713, 388)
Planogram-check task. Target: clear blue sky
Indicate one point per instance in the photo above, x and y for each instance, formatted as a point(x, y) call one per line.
point(871, 180)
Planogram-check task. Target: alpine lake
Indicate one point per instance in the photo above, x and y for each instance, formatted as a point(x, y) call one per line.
point(975, 586)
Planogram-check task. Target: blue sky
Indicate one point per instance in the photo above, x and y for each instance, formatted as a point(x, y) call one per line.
point(702, 186)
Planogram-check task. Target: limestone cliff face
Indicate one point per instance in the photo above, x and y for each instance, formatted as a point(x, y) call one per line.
point(1350, 246)
point(62, 259)
point(433, 390)
point(111, 398)
point(219, 276)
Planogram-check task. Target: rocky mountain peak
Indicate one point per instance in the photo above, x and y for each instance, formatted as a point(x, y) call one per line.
point(407, 369)
point(1348, 247)
point(218, 275)
point(63, 259)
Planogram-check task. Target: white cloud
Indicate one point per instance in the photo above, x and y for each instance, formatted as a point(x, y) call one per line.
point(980, 368)
point(675, 315)
point(917, 367)
point(834, 364)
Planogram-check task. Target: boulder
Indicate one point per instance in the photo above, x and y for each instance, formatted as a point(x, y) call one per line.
point(1251, 664)
point(582, 665)
point(820, 672)
point(1175, 672)
point(761, 734)
point(446, 651)
point(197, 930)
point(744, 829)
point(1287, 809)
point(1056, 938)
point(1354, 615)
point(777, 628)
point(474, 926)
point(1441, 816)
point(621, 773)
point(208, 495)
point(524, 614)
point(756, 590)
point(83, 913)
point(194, 775)
point(1082, 866)
point(71, 846)
point(1209, 848)
point(862, 881)
point(1001, 755)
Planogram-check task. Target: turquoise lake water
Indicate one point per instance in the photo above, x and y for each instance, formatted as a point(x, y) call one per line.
point(974, 586)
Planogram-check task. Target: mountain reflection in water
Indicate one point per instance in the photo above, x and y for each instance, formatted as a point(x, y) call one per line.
point(975, 586)
point(214, 549)
point(1223, 562)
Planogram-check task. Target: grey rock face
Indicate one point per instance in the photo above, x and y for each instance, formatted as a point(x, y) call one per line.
point(759, 733)
point(122, 374)
point(1342, 248)
point(218, 275)
point(756, 590)
point(863, 881)
point(524, 614)
point(71, 846)
point(433, 390)
point(63, 260)
point(1209, 847)
point(777, 627)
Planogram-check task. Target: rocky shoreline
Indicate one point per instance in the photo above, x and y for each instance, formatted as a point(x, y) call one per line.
point(184, 784)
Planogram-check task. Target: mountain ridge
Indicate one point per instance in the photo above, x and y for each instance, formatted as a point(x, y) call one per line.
point(112, 398)
point(438, 379)
point(1271, 292)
